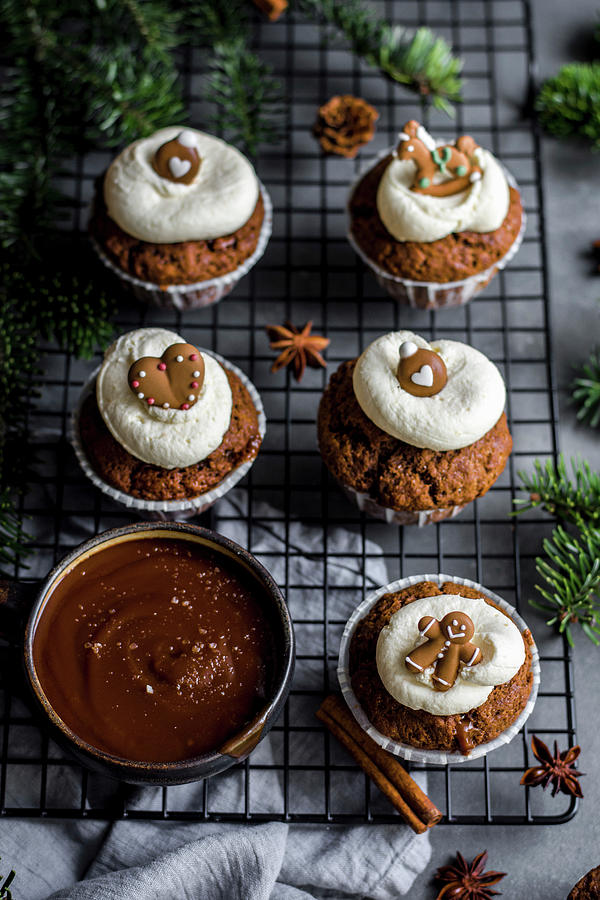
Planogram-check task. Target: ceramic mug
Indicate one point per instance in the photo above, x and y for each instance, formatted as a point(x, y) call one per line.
point(16, 599)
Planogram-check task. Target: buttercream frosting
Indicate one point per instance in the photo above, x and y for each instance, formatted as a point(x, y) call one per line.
point(497, 636)
point(467, 407)
point(410, 216)
point(220, 199)
point(170, 438)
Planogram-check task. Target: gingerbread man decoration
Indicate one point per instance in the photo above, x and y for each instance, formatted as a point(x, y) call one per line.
point(455, 163)
point(447, 645)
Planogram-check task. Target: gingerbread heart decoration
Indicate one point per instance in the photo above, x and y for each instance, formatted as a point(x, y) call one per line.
point(178, 159)
point(173, 381)
point(421, 372)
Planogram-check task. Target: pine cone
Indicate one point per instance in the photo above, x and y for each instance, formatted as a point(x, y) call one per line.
point(345, 124)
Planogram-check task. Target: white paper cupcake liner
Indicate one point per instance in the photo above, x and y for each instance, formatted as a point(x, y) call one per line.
point(414, 754)
point(370, 507)
point(431, 294)
point(201, 293)
point(168, 510)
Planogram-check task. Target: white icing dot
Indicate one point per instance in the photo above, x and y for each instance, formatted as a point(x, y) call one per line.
point(463, 627)
point(166, 405)
point(196, 374)
point(149, 689)
point(440, 655)
point(446, 643)
point(454, 622)
point(142, 374)
point(187, 138)
point(140, 396)
point(407, 348)
point(410, 148)
point(191, 397)
point(179, 358)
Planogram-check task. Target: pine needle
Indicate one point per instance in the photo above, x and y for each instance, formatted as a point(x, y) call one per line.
point(569, 103)
point(575, 500)
point(248, 99)
point(586, 391)
point(572, 573)
point(418, 59)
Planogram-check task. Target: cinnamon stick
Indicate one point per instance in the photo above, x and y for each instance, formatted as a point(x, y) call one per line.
point(383, 769)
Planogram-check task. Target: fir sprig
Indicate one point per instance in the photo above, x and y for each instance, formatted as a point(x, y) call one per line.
point(569, 103)
point(575, 500)
point(572, 573)
point(49, 301)
point(5, 886)
point(248, 99)
point(586, 390)
point(418, 59)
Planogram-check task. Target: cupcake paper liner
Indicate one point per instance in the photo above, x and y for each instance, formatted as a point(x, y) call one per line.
point(369, 506)
point(431, 294)
point(167, 510)
point(414, 754)
point(201, 293)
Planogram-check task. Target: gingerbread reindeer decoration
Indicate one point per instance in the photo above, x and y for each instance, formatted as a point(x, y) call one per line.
point(454, 165)
point(447, 645)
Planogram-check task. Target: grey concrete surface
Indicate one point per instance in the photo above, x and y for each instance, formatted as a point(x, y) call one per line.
point(543, 863)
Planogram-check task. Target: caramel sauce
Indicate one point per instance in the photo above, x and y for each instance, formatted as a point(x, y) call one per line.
point(155, 650)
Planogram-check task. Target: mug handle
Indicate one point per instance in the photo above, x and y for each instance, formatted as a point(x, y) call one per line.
point(16, 600)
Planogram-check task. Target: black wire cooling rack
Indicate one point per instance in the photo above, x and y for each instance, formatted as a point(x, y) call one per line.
point(299, 773)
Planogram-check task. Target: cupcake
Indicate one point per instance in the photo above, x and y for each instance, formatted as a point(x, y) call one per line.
point(180, 217)
point(588, 887)
point(435, 221)
point(438, 668)
point(165, 427)
point(414, 431)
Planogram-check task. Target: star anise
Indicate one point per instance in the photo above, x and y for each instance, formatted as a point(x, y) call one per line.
point(556, 769)
point(299, 347)
point(467, 881)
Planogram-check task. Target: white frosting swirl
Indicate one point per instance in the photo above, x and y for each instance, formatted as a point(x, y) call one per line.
point(462, 412)
point(171, 438)
point(410, 216)
point(497, 636)
point(219, 200)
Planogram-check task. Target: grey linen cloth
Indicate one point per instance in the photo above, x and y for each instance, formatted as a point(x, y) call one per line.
point(134, 860)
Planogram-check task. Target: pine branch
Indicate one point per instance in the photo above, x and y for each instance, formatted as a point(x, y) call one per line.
point(249, 105)
point(572, 573)
point(249, 110)
point(5, 886)
point(48, 300)
point(586, 391)
point(122, 84)
point(549, 487)
point(418, 59)
point(569, 104)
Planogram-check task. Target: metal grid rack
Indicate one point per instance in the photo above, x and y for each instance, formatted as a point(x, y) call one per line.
point(300, 774)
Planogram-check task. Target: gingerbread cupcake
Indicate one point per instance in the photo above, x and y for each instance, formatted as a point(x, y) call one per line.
point(180, 217)
point(435, 221)
point(438, 668)
point(414, 431)
point(588, 887)
point(164, 427)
